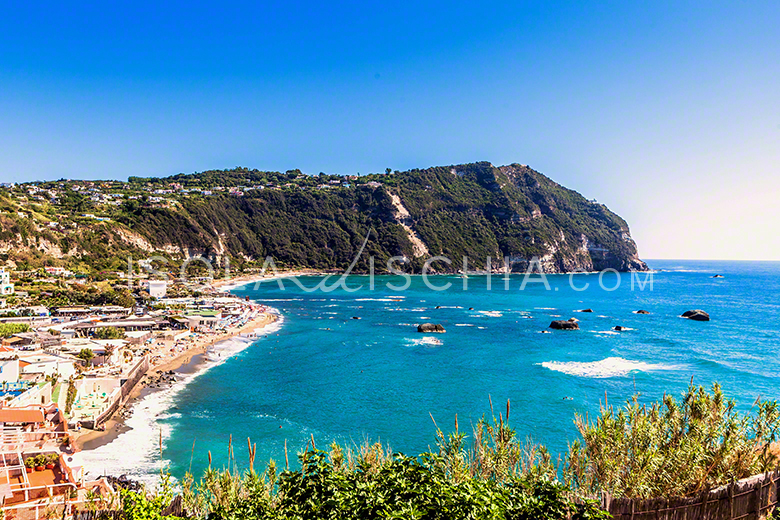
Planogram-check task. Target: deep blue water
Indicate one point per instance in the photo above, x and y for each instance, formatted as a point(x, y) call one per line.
point(377, 378)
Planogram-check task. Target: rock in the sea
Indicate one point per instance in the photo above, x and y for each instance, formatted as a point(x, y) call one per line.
point(619, 328)
point(586, 310)
point(564, 325)
point(696, 315)
point(355, 317)
point(718, 276)
point(642, 311)
point(430, 327)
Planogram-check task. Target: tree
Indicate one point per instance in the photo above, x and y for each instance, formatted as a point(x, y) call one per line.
point(86, 355)
point(109, 333)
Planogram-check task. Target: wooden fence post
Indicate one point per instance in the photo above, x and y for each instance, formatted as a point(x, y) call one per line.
point(731, 500)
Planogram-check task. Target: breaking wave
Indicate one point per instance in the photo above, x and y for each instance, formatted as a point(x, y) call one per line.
point(609, 367)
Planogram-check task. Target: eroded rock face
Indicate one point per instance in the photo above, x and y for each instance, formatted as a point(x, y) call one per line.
point(696, 315)
point(430, 327)
point(564, 325)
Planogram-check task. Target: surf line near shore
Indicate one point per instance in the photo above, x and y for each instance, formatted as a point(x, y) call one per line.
point(131, 446)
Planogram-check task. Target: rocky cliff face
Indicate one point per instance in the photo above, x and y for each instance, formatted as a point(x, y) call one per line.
point(478, 210)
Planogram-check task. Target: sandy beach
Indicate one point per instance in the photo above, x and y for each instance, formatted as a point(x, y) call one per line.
point(166, 356)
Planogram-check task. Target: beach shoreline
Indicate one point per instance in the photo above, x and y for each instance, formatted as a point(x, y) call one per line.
point(162, 361)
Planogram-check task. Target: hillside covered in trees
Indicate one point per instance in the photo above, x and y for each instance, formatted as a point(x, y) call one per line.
point(320, 222)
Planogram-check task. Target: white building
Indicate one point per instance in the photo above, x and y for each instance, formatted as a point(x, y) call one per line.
point(39, 365)
point(156, 288)
point(6, 287)
point(9, 369)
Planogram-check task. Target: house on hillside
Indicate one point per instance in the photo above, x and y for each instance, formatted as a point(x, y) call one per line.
point(6, 287)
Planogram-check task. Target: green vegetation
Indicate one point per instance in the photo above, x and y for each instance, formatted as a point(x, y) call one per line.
point(109, 333)
point(319, 222)
point(9, 329)
point(71, 397)
point(673, 448)
point(86, 354)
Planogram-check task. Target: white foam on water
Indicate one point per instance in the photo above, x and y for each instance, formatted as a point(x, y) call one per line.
point(491, 314)
point(609, 332)
point(609, 367)
point(427, 341)
point(464, 324)
point(373, 300)
point(136, 452)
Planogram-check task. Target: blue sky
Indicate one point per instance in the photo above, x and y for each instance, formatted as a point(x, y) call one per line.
point(667, 112)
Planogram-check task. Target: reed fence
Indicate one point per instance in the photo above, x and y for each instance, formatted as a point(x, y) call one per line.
point(752, 498)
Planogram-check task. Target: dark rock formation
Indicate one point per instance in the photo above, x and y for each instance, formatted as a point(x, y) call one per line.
point(641, 311)
point(586, 310)
point(565, 325)
point(696, 315)
point(619, 328)
point(430, 327)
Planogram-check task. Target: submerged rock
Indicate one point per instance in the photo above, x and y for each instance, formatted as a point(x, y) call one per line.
point(430, 327)
point(586, 310)
point(696, 315)
point(619, 328)
point(565, 325)
point(642, 311)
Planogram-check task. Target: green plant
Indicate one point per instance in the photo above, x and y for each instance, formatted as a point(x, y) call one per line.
point(29, 462)
point(672, 448)
point(109, 333)
point(86, 354)
point(144, 505)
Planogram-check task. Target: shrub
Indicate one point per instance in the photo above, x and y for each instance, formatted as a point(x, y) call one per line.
point(672, 448)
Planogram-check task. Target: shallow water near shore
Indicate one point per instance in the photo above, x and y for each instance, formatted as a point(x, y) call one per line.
point(323, 373)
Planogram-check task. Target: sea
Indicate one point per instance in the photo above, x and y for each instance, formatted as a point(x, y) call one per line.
point(344, 363)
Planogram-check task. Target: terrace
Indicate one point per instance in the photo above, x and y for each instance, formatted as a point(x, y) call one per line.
point(49, 484)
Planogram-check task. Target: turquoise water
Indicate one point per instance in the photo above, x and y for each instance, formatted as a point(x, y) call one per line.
point(377, 378)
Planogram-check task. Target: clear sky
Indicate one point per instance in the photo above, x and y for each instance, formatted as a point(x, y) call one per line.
point(668, 112)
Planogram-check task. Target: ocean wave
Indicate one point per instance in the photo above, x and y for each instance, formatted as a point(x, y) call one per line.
point(609, 367)
point(491, 314)
point(136, 452)
point(427, 341)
